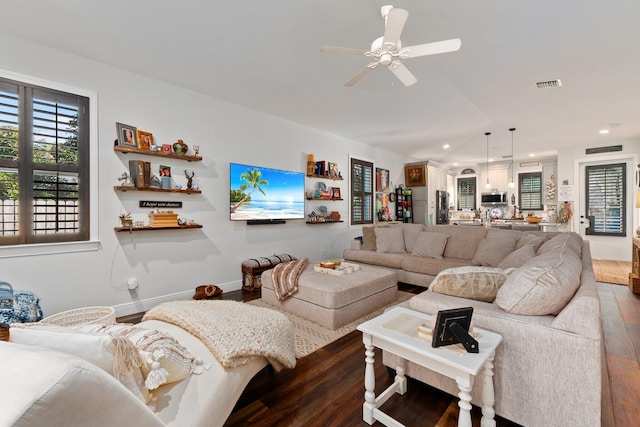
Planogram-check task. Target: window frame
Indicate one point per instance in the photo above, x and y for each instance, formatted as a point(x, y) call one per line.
point(92, 223)
point(521, 177)
point(354, 193)
point(474, 197)
point(623, 198)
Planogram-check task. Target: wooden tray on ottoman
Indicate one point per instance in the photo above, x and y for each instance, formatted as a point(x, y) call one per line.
point(252, 269)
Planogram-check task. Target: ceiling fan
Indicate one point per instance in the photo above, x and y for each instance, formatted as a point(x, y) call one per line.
point(387, 50)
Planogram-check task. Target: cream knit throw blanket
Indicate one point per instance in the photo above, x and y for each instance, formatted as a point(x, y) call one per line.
point(234, 332)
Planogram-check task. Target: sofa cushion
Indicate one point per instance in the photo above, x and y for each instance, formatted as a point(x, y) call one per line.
point(530, 239)
point(116, 356)
point(431, 266)
point(411, 233)
point(375, 258)
point(164, 360)
point(478, 283)
point(544, 285)
point(463, 240)
point(492, 250)
point(569, 240)
point(429, 244)
point(518, 257)
point(369, 237)
point(389, 240)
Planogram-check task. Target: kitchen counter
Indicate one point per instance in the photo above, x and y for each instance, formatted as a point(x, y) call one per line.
point(509, 224)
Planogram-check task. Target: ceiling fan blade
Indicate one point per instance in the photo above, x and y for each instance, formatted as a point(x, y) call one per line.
point(444, 46)
point(355, 79)
point(395, 23)
point(343, 50)
point(402, 73)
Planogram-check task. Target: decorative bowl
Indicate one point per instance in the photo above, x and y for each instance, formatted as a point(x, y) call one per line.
point(533, 219)
point(327, 264)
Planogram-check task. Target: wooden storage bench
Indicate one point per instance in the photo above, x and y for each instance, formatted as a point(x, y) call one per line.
point(252, 269)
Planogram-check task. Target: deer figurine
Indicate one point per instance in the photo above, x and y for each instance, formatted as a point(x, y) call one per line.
point(189, 179)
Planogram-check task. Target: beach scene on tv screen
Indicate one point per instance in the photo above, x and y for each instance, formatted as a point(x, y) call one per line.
point(264, 193)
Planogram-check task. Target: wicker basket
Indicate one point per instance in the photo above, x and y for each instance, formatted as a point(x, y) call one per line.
point(4, 333)
point(83, 316)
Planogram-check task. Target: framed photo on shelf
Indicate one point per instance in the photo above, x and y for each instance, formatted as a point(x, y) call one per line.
point(335, 193)
point(164, 171)
point(415, 175)
point(145, 140)
point(126, 135)
point(332, 169)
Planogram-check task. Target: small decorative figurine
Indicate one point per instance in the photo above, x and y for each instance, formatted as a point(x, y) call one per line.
point(189, 179)
point(196, 150)
point(126, 220)
point(125, 179)
point(155, 181)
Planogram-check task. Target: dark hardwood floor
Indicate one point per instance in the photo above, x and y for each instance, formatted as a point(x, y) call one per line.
point(326, 387)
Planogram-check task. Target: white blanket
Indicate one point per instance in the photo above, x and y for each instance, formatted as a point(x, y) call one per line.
point(234, 332)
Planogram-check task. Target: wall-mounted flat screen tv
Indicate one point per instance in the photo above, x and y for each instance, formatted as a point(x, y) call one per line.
point(265, 194)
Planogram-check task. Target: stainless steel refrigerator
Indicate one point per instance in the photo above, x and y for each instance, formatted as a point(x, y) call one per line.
point(442, 207)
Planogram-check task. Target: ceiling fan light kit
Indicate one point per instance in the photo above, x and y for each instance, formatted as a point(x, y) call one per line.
point(388, 51)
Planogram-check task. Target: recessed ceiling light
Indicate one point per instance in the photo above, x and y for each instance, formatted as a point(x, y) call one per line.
point(491, 160)
point(445, 146)
point(532, 154)
point(604, 131)
point(455, 163)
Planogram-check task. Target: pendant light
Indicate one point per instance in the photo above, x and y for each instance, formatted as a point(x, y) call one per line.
point(488, 184)
point(512, 184)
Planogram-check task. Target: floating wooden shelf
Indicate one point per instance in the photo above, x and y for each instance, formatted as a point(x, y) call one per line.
point(126, 150)
point(335, 178)
point(323, 222)
point(148, 228)
point(156, 189)
point(320, 198)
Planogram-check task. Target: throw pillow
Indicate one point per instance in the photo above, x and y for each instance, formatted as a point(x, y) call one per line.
point(411, 233)
point(115, 355)
point(164, 360)
point(518, 257)
point(569, 240)
point(544, 285)
point(369, 237)
point(530, 239)
point(477, 283)
point(492, 250)
point(389, 240)
point(429, 244)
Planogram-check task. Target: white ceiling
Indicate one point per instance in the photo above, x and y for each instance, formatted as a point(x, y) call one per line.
point(266, 55)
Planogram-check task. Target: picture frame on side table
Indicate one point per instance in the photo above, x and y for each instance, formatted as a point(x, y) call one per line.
point(415, 175)
point(127, 135)
point(452, 327)
point(145, 140)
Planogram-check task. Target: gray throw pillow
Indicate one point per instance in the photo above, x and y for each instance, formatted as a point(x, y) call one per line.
point(518, 257)
point(492, 250)
point(389, 240)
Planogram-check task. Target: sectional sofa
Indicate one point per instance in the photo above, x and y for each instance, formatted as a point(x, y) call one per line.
point(537, 290)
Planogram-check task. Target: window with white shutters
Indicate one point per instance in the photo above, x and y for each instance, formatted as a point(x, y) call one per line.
point(605, 194)
point(361, 192)
point(44, 165)
point(530, 191)
point(467, 193)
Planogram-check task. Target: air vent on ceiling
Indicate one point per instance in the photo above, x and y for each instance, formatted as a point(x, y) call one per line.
point(508, 156)
point(549, 83)
point(608, 149)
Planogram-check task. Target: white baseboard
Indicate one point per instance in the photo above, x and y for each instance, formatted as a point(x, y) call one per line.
point(140, 306)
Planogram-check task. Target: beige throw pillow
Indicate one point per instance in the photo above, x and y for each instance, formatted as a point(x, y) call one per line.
point(477, 283)
point(544, 285)
point(492, 250)
point(389, 240)
point(430, 245)
point(530, 239)
point(369, 237)
point(518, 257)
point(115, 355)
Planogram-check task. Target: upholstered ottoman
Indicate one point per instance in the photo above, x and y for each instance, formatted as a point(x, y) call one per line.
point(334, 301)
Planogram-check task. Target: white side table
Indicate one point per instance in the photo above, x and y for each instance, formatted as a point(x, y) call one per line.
point(396, 332)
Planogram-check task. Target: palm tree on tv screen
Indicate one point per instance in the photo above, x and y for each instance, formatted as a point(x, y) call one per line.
point(253, 182)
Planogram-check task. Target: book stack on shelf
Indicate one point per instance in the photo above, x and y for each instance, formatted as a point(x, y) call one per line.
point(163, 219)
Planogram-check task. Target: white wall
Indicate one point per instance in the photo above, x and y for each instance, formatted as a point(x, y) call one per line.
point(170, 264)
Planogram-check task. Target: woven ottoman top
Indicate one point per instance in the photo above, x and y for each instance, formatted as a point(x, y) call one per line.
point(335, 292)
